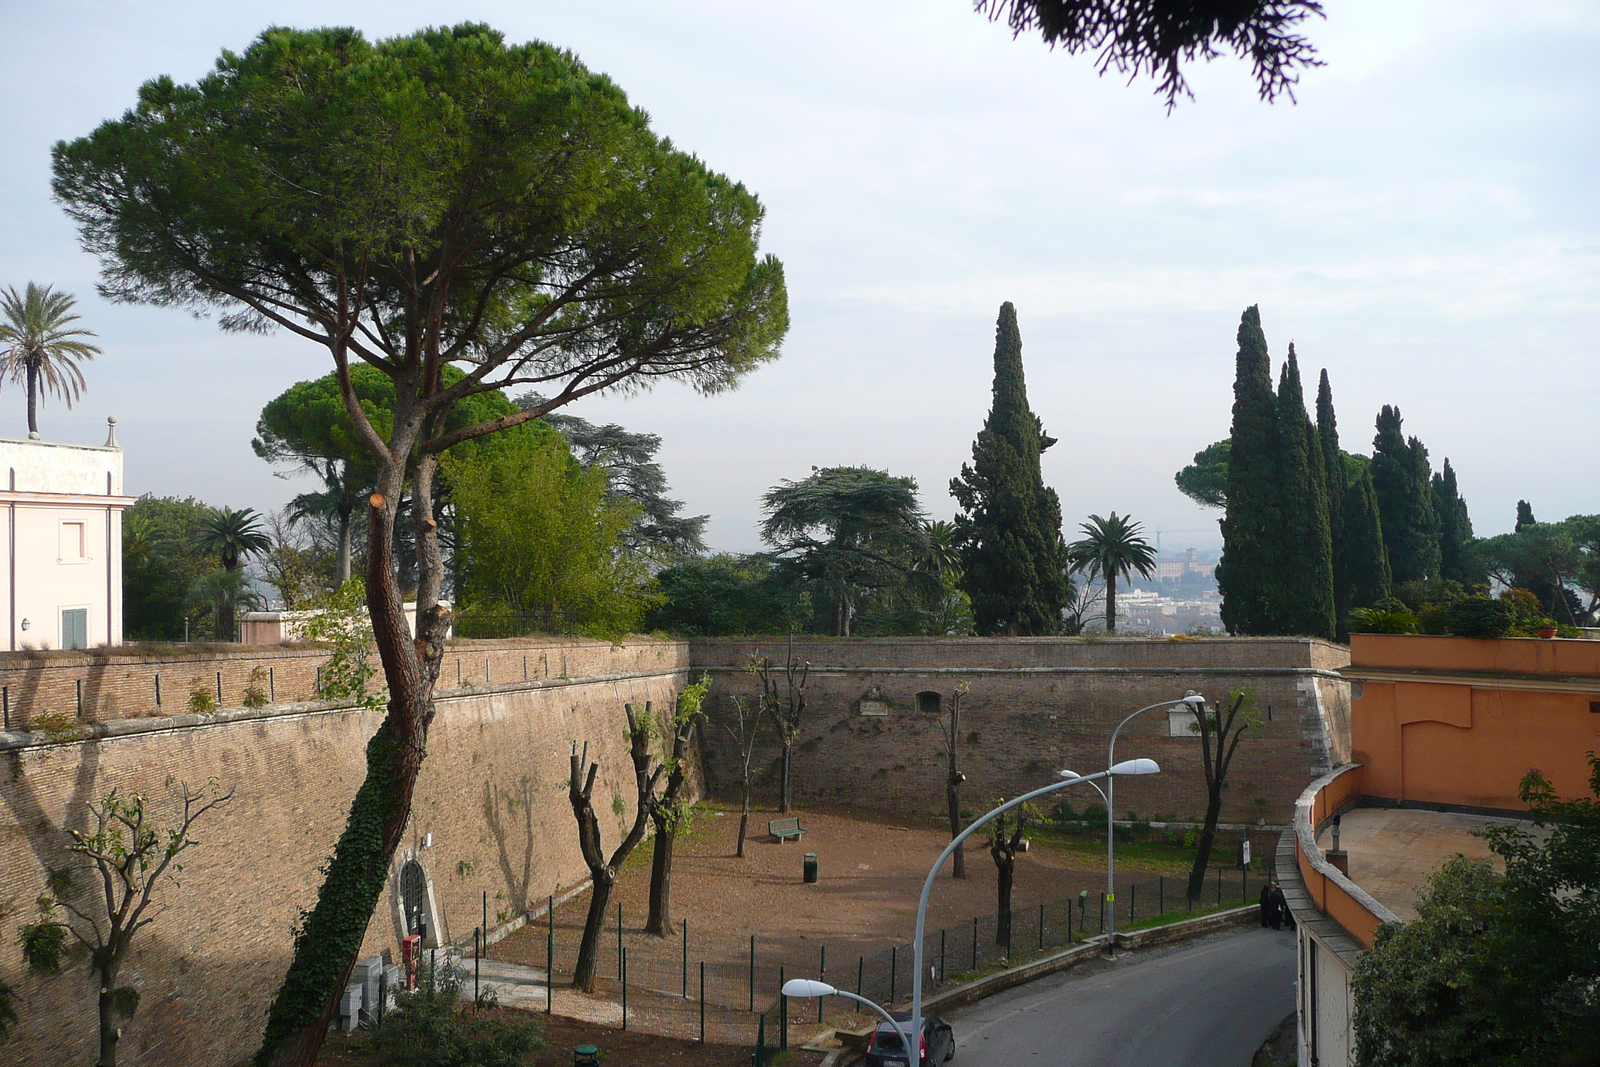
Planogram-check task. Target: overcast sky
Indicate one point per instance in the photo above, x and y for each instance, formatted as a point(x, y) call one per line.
point(1424, 224)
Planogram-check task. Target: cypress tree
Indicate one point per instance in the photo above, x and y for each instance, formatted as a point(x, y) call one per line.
point(1013, 557)
point(1525, 517)
point(1404, 506)
point(1363, 565)
point(1455, 529)
point(1248, 571)
point(1305, 575)
point(1333, 470)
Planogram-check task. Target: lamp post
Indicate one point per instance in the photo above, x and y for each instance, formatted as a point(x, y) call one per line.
point(1197, 704)
point(1133, 766)
point(806, 989)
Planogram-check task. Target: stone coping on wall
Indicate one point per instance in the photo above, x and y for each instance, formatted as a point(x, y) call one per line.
point(95, 731)
point(1330, 891)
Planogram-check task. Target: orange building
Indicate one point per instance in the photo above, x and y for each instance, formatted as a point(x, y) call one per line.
point(1442, 731)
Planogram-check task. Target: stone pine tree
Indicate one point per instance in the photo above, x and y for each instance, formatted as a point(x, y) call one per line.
point(435, 200)
point(1247, 573)
point(1305, 574)
point(1013, 556)
point(1455, 529)
point(1404, 504)
point(1361, 566)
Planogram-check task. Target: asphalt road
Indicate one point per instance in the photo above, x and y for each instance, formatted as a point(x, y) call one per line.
point(1207, 1003)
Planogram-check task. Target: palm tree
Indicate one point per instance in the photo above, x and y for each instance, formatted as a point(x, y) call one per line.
point(232, 535)
point(1112, 548)
point(343, 491)
point(43, 350)
point(225, 594)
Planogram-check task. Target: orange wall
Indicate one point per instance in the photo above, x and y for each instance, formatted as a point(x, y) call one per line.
point(1466, 743)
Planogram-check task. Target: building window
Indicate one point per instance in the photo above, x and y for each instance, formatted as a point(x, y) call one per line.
point(75, 627)
point(74, 544)
point(928, 702)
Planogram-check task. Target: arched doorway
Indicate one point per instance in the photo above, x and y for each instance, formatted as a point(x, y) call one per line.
point(414, 898)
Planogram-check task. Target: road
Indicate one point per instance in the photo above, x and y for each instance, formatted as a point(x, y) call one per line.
point(1207, 1003)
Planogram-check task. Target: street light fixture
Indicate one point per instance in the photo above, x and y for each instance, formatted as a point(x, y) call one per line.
point(1133, 766)
point(1197, 704)
point(807, 988)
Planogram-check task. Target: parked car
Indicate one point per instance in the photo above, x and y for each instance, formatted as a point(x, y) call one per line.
point(886, 1047)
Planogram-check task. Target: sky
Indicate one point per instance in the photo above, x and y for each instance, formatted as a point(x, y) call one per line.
point(1422, 223)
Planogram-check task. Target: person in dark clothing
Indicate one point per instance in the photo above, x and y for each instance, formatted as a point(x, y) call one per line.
point(1279, 908)
point(1266, 905)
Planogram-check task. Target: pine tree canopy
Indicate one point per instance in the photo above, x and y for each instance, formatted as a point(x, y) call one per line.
point(1251, 562)
point(1013, 557)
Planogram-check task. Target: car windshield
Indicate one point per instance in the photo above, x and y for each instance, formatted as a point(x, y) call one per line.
point(889, 1040)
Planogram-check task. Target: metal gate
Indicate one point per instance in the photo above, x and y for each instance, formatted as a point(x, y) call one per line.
point(414, 897)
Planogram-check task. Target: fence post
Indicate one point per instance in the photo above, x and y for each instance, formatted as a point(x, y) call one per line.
point(783, 1014)
point(477, 956)
point(702, 1002)
point(894, 965)
point(1102, 911)
point(941, 955)
point(619, 942)
point(1041, 927)
point(974, 942)
point(686, 959)
point(1133, 900)
point(761, 1041)
point(752, 972)
point(1161, 894)
point(550, 959)
point(861, 966)
point(624, 990)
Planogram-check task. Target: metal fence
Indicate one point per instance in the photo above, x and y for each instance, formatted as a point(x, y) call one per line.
point(739, 1000)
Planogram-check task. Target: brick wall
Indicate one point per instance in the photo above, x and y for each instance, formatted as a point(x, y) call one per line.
point(1035, 706)
point(102, 685)
point(491, 793)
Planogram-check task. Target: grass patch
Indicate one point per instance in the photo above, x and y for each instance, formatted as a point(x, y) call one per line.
point(1167, 918)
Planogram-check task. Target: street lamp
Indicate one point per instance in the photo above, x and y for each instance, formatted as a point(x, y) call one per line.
point(1197, 704)
point(807, 988)
point(1133, 766)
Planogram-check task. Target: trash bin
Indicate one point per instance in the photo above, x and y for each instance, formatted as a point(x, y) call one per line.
point(810, 867)
point(585, 1056)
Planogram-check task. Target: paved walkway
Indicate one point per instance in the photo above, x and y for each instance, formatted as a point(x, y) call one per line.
point(524, 987)
point(1394, 850)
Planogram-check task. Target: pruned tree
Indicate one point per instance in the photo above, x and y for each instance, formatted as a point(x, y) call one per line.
point(431, 201)
point(1157, 38)
point(1005, 840)
point(127, 858)
point(673, 809)
point(602, 869)
point(950, 735)
point(786, 709)
point(745, 730)
point(1220, 729)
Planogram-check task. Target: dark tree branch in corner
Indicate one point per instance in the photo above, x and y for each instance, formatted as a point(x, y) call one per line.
point(1156, 37)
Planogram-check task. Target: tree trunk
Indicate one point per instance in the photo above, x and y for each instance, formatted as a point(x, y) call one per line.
point(1208, 834)
point(593, 926)
point(952, 795)
point(744, 819)
point(330, 936)
point(785, 801)
point(660, 920)
point(1006, 865)
point(225, 622)
point(33, 400)
point(109, 1031)
point(345, 549)
point(1111, 603)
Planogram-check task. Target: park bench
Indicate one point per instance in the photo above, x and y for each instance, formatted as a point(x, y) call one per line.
point(783, 829)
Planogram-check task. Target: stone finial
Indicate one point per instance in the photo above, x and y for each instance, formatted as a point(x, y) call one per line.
point(111, 432)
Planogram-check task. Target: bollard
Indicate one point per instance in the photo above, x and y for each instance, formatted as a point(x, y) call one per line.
point(585, 1056)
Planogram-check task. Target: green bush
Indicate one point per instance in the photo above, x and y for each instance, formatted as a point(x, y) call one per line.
point(1380, 621)
point(430, 1027)
point(1480, 616)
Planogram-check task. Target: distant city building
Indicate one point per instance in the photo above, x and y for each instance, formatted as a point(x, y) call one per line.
point(63, 543)
point(1171, 570)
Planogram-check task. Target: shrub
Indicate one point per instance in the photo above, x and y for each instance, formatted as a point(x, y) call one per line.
point(254, 695)
point(1380, 621)
point(201, 701)
point(1480, 616)
point(429, 1027)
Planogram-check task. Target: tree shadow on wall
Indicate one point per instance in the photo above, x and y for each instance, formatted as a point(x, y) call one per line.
point(515, 822)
